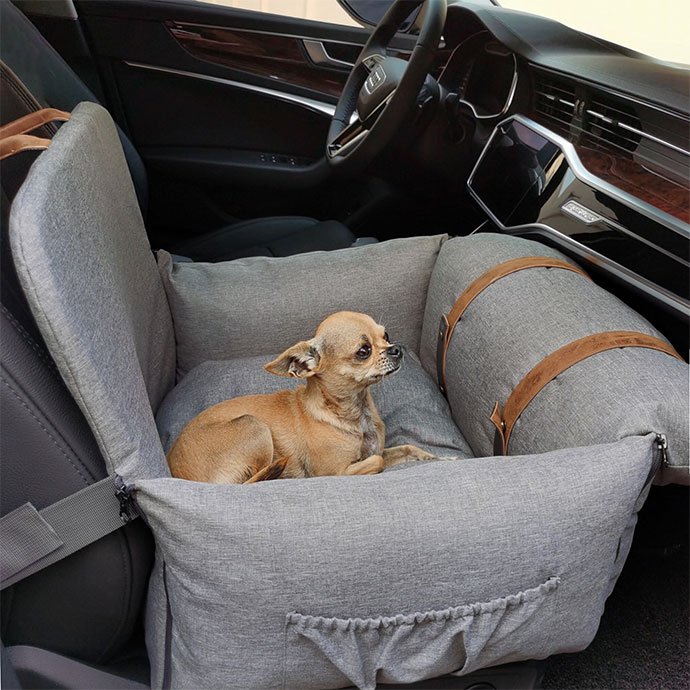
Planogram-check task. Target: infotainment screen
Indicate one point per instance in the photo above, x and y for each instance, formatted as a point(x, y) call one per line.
point(514, 171)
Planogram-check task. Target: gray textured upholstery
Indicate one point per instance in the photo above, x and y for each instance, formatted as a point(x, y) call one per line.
point(261, 305)
point(524, 317)
point(48, 452)
point(87, 270)
point(325, 582)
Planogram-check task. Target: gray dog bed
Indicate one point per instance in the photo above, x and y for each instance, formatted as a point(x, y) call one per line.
point(323, 583)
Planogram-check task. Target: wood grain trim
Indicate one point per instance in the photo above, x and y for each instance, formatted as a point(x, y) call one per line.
point(631, 177)
point(279, 58)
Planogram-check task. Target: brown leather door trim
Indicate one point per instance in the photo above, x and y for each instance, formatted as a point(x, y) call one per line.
point(556, 363)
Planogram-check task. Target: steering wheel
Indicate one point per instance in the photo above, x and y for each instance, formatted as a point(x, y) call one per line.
point(381, 91)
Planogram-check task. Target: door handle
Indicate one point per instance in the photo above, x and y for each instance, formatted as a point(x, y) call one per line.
point(319, 55)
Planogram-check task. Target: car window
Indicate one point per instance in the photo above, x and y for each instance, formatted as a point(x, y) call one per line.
point(329, 11)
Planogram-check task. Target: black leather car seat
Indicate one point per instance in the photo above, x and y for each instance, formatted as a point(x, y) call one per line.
point(52, 83)
point(88, 606)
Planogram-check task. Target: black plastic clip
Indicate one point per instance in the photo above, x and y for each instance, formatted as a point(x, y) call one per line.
point(123, 494)
point(662, 446)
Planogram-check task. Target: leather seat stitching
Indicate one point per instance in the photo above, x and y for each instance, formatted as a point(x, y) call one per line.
point(54, 441)
point(26, 336)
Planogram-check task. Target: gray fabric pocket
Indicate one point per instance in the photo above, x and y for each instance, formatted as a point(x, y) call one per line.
point(408, 648)
point(446, 534)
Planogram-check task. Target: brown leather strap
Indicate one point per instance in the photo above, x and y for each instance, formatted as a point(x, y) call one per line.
point(556, 363)
point(32, 121)
point(474, 289)
point(21, 142)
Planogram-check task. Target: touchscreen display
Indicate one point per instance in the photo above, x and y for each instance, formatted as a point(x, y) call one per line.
point(514, 171)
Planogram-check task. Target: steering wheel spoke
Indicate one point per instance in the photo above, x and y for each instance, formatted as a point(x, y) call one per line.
point(348, 137)
point(356, 130)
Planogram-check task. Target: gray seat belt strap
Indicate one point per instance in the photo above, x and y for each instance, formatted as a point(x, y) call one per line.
point(33, 539)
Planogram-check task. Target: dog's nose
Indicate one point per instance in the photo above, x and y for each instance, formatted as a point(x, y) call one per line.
point(394, 352)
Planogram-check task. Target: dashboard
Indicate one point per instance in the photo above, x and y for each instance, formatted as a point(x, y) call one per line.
point(584, 144)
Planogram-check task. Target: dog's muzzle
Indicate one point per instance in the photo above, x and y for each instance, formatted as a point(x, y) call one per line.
point(394, 355)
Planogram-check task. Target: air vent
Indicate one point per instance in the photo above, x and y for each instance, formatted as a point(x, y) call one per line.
point(611, 126)
point(554, 102)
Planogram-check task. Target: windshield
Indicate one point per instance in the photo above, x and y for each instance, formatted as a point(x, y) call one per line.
point(658, 28)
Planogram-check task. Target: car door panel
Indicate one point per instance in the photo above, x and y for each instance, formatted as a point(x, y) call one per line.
point(231, 103)
point(276, 57)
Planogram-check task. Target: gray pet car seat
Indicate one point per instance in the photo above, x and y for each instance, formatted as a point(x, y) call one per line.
point(451, 565)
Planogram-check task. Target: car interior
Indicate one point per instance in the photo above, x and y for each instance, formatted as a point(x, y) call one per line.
point(258, 150)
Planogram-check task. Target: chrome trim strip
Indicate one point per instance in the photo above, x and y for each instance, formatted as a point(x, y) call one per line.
point(318, 54)
point(308, 103)
point(588, 217)
point(672, 223)
point(672, 300)
point(639, 132)
point(651, 137)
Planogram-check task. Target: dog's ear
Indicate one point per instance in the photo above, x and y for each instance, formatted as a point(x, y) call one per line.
point(301, 360)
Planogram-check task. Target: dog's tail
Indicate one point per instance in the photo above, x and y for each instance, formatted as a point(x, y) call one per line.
point(272, 471)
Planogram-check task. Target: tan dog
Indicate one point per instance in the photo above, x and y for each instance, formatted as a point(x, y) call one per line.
point(328, 426)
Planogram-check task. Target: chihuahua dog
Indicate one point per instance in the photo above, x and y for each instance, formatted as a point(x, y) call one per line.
point(328, 426)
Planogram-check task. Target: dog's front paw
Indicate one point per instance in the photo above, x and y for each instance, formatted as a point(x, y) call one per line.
point(421, 454)
point(397, 455)
point(371, 465)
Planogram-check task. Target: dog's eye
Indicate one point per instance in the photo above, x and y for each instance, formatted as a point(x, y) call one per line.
point(386, 337)
point(363, 352)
